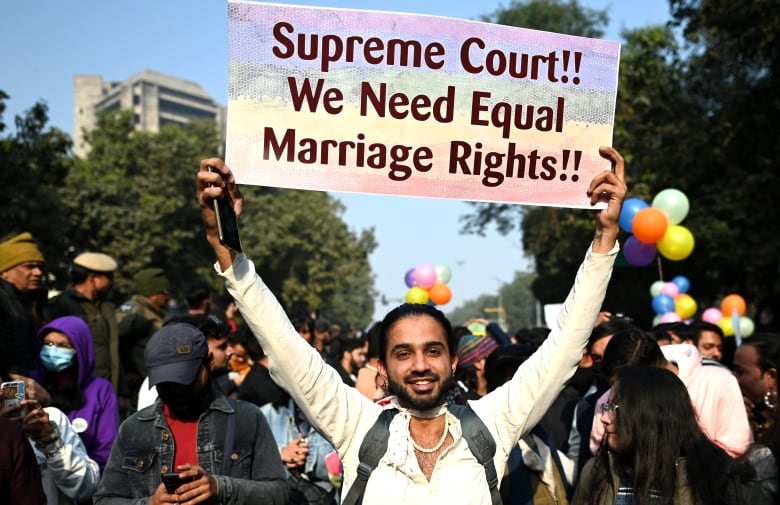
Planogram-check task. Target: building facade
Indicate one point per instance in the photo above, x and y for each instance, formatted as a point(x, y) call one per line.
point(156, 99)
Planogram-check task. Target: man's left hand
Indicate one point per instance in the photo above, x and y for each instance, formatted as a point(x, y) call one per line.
point(202, 487)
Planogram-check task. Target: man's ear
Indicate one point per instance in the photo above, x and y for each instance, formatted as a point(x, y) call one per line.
point(381, 370)
point(771, 379)
point(454, 363)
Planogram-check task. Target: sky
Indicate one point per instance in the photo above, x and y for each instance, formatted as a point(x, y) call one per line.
point(44, 43)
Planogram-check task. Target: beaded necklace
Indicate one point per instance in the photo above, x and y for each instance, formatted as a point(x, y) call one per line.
point(438, 445)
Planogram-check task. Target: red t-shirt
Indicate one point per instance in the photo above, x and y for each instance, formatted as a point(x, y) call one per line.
point(185, 439)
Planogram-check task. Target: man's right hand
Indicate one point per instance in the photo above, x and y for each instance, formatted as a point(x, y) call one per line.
point(210, 185)
point(294, 454)
point(33, 390)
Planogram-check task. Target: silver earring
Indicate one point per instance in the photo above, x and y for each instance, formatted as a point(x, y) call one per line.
point(770, 400)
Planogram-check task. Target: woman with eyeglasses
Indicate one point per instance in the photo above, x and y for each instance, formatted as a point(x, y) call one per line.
point(655, 453)
point(67, 358)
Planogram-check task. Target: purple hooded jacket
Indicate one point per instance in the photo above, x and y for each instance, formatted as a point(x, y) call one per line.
point(97, 422)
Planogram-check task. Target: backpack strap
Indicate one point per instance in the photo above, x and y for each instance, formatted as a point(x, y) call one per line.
point(373, 447)
point(481, 443)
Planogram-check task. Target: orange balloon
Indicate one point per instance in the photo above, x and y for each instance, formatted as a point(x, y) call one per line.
point(440, 293)
point(649, 225)
point(731, 303)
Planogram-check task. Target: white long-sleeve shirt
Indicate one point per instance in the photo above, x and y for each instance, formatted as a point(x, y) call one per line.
point(65, 466)
point(343, 415)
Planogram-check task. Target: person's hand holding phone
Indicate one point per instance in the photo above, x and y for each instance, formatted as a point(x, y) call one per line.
point(213, 181)
point(33, 390)
point(194, 485)
point(294, 454)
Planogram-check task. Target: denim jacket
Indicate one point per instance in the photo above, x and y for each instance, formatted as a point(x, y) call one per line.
point(144, 449)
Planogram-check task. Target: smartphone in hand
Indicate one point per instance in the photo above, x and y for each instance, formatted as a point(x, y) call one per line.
point(172, 481)
point(13, 393)
point(227, 222)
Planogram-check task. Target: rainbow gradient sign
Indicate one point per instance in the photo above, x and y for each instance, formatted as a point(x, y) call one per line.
point(406, 104)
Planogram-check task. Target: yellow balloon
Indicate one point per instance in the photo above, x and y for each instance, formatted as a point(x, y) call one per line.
point(727, 327)
point(417, 295)
point(685, 306)
point(676, 244)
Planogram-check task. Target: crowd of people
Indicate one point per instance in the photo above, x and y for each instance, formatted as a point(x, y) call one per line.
point(252, 404)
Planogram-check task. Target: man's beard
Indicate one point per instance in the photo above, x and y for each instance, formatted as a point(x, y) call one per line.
point(410, 399)
point(187, 406)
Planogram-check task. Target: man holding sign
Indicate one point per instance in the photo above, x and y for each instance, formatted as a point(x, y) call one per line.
point(428, 459)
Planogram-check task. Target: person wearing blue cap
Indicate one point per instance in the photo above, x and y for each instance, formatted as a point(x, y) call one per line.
point(222, 450)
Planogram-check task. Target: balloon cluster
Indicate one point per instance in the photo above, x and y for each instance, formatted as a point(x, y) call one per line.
point(731, 313)
point(671, 301)
point(427, 283)
point(656, 228)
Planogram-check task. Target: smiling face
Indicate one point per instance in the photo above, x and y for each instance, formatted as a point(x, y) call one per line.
point(417, 364)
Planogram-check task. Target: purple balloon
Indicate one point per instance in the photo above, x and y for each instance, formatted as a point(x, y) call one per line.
point(638, 253)
point(409, 278)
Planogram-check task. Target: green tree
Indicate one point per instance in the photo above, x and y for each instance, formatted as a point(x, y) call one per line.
point(696, 113)
point(36, 160)
point(553, 237)
point(727, 160)
point(307, 255)
point(515, 298)
point(133, 197)
point(553, 16)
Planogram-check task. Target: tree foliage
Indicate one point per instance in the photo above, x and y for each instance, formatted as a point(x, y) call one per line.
point(35, 160)
point(515, 298)
point(696, 113)
point(133, 197)
point(307, 254)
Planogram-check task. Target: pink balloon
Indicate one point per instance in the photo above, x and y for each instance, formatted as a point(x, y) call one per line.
point(712, 315)
point(670, 289)
point(425, 275)
point(670, 317)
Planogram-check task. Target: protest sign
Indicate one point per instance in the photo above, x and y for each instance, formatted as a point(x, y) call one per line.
point(406, 104)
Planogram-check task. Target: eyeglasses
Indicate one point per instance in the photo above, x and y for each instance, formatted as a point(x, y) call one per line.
point(609, 408)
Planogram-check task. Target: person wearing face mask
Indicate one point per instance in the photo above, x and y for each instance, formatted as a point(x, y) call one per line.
point(222, 449)
point(67, 357)
point(216, 333)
